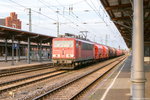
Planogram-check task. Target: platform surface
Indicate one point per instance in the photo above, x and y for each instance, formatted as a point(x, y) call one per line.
point(18, 64)
point(117, 87)
point(9, 58)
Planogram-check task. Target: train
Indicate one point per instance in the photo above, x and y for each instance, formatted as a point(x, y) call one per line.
point(68, 53)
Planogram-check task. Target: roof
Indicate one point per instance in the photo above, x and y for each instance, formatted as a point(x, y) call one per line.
point(121, 13)
point(70, 38)
point(21, 35)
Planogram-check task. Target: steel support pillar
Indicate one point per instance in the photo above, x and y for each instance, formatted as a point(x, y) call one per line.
point(49, 51)
point(18, 50)
point(40, 51)
point(138, 74)
point(28, 58)
point(6, 51)
point(13, 47)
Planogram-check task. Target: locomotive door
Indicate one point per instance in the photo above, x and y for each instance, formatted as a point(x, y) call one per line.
point(63, 53)
point(79, 49)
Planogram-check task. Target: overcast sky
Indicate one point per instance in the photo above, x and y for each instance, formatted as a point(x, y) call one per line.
point(84, 15)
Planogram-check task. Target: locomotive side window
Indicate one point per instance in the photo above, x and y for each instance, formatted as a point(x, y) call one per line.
point(77, 44)
point(63, 43)
point(86, 46)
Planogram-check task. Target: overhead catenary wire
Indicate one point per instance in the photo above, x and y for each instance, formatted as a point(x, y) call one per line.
point(65, 8)
point(97, 10)
point(72, 12)
point(75, 3)
point(109, 26)
point(33, 10)
point(94, 10)
point(35, 25)
point(98, 13)
point(44, 3)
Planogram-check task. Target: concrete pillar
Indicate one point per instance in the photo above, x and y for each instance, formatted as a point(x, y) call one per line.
point(138, 74)
point(13, 47)
point(28, 52)
point(6, 51)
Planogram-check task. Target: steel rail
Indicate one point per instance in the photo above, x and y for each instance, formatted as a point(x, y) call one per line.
point(70, 82)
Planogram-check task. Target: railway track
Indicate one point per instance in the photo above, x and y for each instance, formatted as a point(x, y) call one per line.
point(24, 70)
point(5, 79)
point(13, 84)
point(75, 86)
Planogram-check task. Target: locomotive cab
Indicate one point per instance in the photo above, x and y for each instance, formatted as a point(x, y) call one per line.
point(63, 50)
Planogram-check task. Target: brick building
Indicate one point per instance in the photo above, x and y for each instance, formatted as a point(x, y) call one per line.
point(11, 21)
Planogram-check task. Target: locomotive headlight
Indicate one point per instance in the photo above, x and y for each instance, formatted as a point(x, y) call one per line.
point(69, 55)
point(56, 55)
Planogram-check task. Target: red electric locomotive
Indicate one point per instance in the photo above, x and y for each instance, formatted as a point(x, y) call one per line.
point(72, 51)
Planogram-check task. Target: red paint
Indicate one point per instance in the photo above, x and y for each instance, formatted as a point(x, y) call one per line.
point(82, 50)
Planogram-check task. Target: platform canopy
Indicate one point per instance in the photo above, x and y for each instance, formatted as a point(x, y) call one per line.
point(121, 13)
point(21, 35)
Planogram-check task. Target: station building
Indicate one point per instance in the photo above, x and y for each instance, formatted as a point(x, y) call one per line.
point(20, 47)
point(14, 22)
point(11, 21)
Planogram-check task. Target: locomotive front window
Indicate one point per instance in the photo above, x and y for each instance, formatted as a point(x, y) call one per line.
point(63, 43)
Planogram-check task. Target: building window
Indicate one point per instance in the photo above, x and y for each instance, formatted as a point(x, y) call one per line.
point(13, 25)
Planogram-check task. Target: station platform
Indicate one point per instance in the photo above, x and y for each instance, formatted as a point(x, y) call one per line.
point(9, 58)
point(20, 64)
point(118, 85)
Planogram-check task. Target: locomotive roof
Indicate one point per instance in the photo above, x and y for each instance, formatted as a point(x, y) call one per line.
point(85, 41)
point(90, 42)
